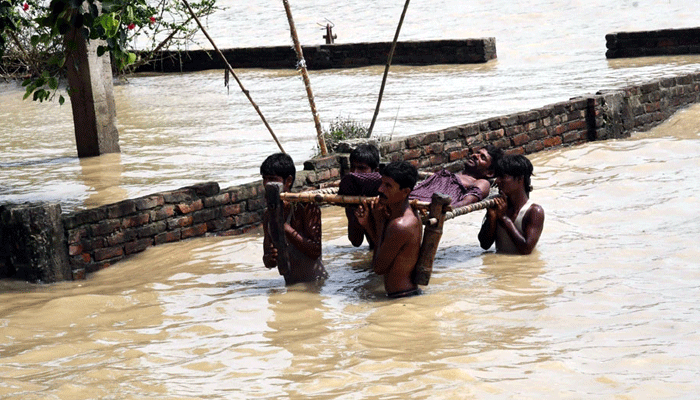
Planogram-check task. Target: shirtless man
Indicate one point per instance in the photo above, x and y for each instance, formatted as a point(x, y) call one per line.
point(515, 223)
point(471, 185)
point(302, 227)
point(363, 180)
point(395, 229)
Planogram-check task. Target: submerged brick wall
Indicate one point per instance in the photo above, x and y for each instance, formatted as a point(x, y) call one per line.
point(467, 51)
point(99, 237)
point(653, 43)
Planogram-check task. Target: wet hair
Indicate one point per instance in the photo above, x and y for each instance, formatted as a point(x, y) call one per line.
point(279, 164)
point(402, 172)
point(366, 153)
point(495, 153)
point(515, 165)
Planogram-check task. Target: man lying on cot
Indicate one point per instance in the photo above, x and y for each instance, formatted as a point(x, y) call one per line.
point(302, 226)
point(471, 185)
point(362, 180)
point(395, 228)
point(515, 223)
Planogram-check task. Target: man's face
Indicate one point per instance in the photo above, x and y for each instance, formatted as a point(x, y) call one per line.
point(360, 167)
point(508, 184)
point(479, 160)
point(390, 193)
point(286, 183)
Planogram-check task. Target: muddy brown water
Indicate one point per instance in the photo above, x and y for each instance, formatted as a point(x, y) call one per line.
point(605, 308)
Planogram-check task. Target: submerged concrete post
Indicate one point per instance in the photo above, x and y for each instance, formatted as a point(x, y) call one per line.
point(33, 244)
point(92, 96)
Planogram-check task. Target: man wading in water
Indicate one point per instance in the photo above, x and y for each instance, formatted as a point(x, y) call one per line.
point(515, 223)
point(302, 226)
point(395, 229)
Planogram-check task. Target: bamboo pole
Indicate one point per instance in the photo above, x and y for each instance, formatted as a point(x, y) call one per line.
point(305, 76)
point(386, 69)
point(247, 94)
point(338, 199)
point(480, 205)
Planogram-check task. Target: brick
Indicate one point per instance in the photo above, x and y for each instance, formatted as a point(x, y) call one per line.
point(136, 220)
point(151, 230)
point(438, 159)
point(85, 217)
point(247, 218)
point(137, 245)
point(109, 252)
point(165, 212)
point(573, 137)
point(180, 222)
point(205, 215)
point(147, 203)
point(233, 209)
point(183, 195)
point(458, 154)
point(552, 141)
point(256, 204)
point(412, 154)
point(413, 142)
point(520, 139)
point(205, 189)
point(218, 200)
point(167, 237)
point(105, 227)
point(193, 231)
point(75, 249)
point(435, 148)
point(75, 235)
point(120, 209)
point(186, 208)
point(495, 134)
point(219, 225)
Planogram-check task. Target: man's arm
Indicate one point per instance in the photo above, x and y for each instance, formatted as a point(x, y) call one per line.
point(533, 223)
point(308, 239)
point(487, 234)
point(482, 186)
point(356, 233)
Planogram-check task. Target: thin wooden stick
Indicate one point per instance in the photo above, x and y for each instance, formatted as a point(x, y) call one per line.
point(305, 76)
point(386, 70)
point(247, 94)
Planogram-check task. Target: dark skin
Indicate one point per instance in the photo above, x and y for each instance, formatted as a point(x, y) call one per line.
point(513, 197)
point(477, 171)
point(356, 233)
point(304, 233)
point(392, 224)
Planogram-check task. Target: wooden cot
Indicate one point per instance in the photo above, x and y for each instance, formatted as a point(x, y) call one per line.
point(433, 215)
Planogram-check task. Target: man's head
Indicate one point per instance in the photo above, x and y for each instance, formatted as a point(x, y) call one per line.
point(481, 163)
point(398, 180)
point(364, 158)
point(279, 167)
point(514, 170)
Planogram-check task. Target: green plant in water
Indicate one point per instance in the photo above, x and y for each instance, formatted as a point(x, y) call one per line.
point(343, 129)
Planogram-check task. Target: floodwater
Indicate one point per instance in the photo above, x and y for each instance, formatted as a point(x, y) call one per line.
point(180, 129)
point(605, 308)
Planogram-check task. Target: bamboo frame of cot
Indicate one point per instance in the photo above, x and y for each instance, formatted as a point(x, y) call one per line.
point(433, 216)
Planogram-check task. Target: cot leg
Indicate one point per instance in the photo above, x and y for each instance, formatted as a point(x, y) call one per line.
point(276, 225)
point(431, 239)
